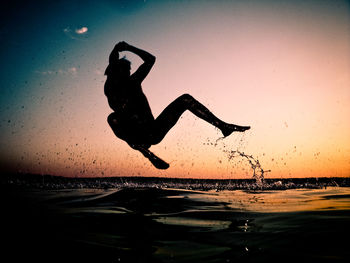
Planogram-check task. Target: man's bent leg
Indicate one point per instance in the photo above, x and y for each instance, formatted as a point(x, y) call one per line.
point(171, 114)
point(112, 120)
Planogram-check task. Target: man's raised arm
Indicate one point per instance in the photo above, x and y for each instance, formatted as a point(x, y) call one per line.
point(144, 55)
point(148, 59)
point(114, 56)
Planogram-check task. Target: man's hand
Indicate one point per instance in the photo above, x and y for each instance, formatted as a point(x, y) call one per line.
point(122, 46)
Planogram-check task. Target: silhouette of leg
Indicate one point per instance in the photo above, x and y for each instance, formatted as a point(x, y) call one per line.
point(131, 136)
point(154, 159)
point(142, 147)
point(114, 124)
point(171, 114)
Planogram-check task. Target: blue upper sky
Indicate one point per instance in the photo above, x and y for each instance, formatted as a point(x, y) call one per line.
point(273, 59)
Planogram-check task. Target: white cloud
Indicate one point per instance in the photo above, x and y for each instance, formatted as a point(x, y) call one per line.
point(70, 71)
point(82, 30)
point(77, 34)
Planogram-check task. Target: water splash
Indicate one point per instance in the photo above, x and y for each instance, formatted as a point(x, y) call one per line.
point(258, 171)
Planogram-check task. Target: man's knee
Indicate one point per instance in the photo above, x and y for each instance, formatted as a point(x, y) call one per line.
point(112, 119)
point(120, 130)
point(186, 98)
point(113, 123)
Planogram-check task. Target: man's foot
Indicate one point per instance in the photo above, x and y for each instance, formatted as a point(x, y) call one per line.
point(230, 128)
point(155, 160)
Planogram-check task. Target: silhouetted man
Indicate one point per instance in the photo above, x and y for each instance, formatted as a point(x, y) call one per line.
point(132, 119)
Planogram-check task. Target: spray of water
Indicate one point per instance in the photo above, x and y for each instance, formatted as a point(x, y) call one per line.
point(258, 171)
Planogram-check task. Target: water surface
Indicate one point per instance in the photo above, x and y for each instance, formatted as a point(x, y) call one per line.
point(176, 225)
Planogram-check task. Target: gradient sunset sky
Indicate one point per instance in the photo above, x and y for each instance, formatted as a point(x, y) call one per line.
point(282, 67)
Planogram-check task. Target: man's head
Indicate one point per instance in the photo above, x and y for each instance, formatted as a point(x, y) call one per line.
point(120, 68)
point(123, 67)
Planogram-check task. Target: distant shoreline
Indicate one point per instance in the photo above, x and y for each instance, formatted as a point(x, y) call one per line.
point(50, 182)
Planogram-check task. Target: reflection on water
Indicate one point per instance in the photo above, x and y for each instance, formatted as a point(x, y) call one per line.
point(282, 201)
point(172, 225)
point(295, 200)
point(193, 222)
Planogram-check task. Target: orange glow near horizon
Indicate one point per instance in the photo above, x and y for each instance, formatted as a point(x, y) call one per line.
point(286, 73)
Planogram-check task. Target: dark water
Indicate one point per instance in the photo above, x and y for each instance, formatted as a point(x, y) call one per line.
point(171, 225)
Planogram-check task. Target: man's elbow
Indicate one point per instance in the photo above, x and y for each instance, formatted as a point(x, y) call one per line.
point(152, 59)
